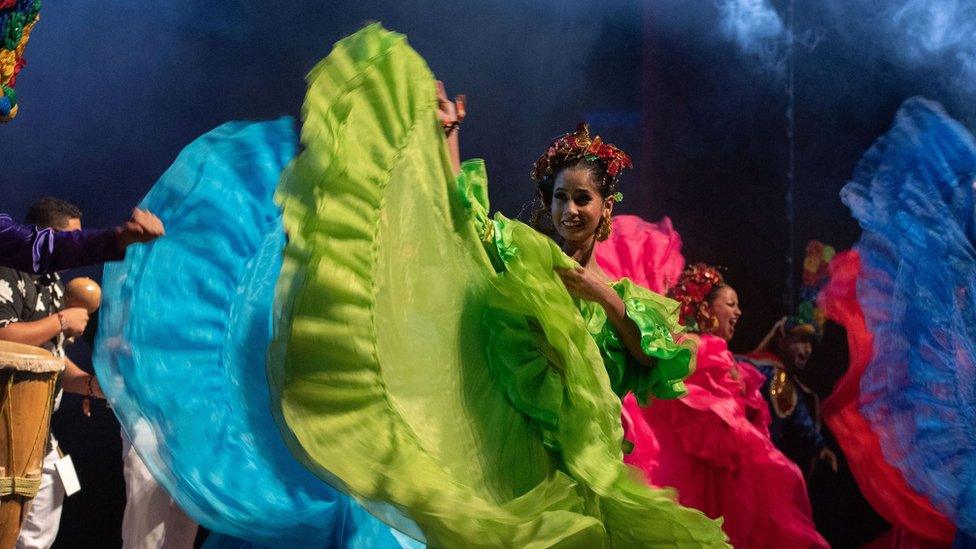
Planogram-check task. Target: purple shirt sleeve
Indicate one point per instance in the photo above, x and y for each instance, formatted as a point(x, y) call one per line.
point(27, 248)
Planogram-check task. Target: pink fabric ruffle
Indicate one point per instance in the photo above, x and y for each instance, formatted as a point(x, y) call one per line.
point(713, 446)
point(647, 253)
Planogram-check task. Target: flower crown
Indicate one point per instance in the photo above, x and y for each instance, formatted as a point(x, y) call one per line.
point(578, 145)
point(691, 290)
point(17, 20)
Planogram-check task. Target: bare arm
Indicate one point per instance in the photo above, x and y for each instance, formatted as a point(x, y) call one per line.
point(76, 381)
point(451, 113)
point(39, 332)
point(776, 330)
point(32, 333)
point(454, 149)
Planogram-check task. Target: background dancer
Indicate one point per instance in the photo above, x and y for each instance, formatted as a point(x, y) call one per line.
point(910, 322)
point(713, 445)
point(794, 407)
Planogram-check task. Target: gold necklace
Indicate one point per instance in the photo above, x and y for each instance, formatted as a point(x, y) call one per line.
point(782, 393)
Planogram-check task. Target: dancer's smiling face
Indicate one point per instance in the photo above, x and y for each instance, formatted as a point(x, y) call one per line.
point(724, 308)
point(577, 205)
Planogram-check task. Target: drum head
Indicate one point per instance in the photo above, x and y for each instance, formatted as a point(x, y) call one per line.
point(27, 358)
point(9, 347)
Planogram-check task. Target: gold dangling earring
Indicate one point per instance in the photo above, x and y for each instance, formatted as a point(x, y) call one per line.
point(603, 231)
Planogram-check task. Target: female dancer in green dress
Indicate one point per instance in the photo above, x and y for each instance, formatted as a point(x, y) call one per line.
point(430, 358)
point(577, 180)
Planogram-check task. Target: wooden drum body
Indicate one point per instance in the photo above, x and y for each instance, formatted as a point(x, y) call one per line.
point(27, 382)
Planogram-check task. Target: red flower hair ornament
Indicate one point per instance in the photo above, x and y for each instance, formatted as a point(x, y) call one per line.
point(691, 292)
point(579, 146)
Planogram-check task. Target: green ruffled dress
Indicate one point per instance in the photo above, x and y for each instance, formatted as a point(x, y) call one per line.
point(428, 358)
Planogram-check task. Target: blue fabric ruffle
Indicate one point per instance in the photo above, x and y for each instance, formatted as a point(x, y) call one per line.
point(181, 351)
point(912, 193)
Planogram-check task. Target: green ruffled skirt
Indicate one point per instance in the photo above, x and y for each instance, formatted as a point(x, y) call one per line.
point(404, 366)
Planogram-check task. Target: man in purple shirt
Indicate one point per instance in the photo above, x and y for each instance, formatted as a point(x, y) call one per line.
point(40, 251)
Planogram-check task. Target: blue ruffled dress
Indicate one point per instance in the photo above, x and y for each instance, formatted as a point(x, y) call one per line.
point(913, 195)
point(181, 351)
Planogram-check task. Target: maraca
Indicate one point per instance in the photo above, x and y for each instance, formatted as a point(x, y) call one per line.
point(85, 293)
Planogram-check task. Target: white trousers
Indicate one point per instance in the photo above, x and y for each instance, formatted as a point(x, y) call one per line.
point(44, 518)
point(152, 519)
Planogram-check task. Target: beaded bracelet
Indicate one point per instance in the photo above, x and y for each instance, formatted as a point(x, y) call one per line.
point(450, 127)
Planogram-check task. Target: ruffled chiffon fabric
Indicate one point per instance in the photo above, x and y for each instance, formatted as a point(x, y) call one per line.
point(394, 288)
point(647, 253)
point(883, 485)
point(181, 350)
point(714, 448)
point(713, 444)
point(912, 193)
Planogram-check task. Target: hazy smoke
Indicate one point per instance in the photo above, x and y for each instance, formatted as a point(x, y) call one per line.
point(756, 28)
point(935, 34)
point(935, 39)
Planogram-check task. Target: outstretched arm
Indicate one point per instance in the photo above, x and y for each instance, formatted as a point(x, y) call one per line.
point(30, 249)
point(776, 330)
point(27, 248)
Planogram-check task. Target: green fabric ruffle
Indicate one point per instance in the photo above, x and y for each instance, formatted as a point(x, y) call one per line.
point(656, 317)
point(380, 365)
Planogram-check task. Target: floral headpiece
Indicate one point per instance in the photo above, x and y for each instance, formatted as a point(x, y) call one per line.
point(578, 145)
point(809, 319)
point(17, 20)
point(691, 290)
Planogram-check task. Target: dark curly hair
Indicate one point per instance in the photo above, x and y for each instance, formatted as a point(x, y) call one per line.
point(51, 212)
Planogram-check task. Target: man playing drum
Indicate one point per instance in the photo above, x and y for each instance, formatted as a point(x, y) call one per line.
point(32, 312)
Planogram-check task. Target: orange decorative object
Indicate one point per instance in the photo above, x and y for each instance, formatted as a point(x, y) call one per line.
point(84, 292)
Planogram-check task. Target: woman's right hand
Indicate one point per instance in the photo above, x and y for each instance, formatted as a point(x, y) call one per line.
point(586, 284)
point(75, 321)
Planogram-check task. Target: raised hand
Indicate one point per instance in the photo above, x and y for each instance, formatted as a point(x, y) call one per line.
point(450, 113)
point(830, 457)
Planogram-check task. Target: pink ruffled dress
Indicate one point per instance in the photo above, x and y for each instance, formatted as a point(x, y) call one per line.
point(713, 445)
